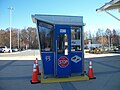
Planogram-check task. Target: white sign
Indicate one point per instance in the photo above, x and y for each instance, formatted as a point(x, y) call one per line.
point(75, 42)
point(66, 43)
point(48, 58)
point(62, 30)
point(76, 59)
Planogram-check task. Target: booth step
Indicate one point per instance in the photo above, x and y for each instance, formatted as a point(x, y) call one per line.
point(63, 79)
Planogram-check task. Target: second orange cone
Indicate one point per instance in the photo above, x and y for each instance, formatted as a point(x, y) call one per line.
point(90, 71)
point(34, 75)
point(38, 72)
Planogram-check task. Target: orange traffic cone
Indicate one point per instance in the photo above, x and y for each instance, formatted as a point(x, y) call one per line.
point(90, 71)
point(37, 67)
point(34, 75)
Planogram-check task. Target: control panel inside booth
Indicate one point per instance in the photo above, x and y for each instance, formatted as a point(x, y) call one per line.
point(61, 45)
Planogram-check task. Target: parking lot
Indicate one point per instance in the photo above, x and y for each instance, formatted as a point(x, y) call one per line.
point(16, 75)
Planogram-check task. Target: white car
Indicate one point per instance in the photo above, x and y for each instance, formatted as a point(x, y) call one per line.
point(4, 49)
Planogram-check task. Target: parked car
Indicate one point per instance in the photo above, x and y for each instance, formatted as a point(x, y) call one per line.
point(14, 50)
point(4, 49)
point(118, 47)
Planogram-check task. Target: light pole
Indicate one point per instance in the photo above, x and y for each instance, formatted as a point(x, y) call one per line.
point(109, 41)
point(10, 9)
point(18, 39)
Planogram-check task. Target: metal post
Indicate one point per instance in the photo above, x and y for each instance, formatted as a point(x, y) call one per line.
point(82, 47)
point(10, 8)
point(112, 15)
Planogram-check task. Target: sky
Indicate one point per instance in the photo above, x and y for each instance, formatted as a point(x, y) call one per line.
point(23, 9)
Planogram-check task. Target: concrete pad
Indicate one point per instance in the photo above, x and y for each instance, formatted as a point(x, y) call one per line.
point(64, 79)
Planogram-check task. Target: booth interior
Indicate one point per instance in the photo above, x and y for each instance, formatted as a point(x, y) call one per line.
point(61, 44)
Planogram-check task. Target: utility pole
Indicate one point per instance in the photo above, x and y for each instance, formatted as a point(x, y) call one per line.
point(18, 39)
point(102, 42)
point(109, 41)
point(10, 9)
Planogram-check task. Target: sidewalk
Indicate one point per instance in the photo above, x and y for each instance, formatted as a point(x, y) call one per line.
point(16, 75)
point(22, 55)
point(88, 55)
point(20, 58)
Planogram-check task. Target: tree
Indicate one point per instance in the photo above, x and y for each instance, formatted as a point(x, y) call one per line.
point(27, 38)
point(101, 38)
point(14, 38)
point(32, 36)
point(115, 38)
point(4, 39)
point(23, 38)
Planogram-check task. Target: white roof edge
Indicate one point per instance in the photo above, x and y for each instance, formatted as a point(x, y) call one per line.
point(107, 5)
point(58, 19)
point(33, 18)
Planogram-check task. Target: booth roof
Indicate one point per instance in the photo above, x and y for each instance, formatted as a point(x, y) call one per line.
point(59, 19)
point(114, 4)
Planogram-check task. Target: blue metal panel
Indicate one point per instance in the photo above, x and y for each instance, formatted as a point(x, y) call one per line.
point(48, 63)
point(76, 62)
point(61, 70)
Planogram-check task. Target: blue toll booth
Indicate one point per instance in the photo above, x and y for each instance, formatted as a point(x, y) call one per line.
point(61, 44)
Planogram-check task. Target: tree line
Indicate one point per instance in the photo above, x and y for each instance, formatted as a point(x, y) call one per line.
point(27, 38)
point(20, 38)
point(108, 38)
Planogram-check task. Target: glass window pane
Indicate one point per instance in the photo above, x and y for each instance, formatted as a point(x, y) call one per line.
point(62, 43)
point(75, 39)
point(46, 38)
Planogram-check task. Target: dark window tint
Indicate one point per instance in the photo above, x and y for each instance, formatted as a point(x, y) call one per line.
point(46, 38)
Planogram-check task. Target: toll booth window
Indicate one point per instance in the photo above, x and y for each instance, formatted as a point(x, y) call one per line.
point(46, 38)
point(75, 39)
point(62, 43)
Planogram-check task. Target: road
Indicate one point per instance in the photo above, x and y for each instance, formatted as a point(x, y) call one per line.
point(16, 75)
point(32, 54)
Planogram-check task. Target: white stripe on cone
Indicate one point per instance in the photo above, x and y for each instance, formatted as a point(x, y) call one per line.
point(34, 70)
point(90, 66)
point(90, 62)
point(34, 66)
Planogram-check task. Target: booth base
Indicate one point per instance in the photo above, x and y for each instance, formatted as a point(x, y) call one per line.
point(63, 79)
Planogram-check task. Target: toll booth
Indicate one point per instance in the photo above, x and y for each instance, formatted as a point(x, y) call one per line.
point(61, 44)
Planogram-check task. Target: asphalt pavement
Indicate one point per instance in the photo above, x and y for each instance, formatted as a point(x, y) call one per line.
point(16, 75)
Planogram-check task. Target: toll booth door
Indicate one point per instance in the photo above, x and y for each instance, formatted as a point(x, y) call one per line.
point(62, 39)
